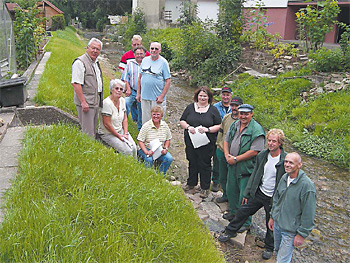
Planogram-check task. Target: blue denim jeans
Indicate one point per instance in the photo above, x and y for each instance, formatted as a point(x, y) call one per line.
point(283, 244)
point(135, 108)
point(164, 159)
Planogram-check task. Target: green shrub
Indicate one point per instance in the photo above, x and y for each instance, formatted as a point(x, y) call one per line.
point(326, 60)
point(58, 22)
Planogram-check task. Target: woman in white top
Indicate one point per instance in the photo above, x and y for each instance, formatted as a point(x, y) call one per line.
point(114, 125)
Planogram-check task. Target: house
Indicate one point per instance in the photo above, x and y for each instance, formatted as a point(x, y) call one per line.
point(48, 10)
point(11, 7)
point(280, 13)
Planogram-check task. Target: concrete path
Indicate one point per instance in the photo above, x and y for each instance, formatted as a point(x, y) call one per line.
point(11, 135)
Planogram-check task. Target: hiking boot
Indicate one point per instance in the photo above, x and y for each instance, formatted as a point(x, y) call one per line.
point(224, 237)
point(215, 187)
point(188, 187)
point(221, 200)
point(204, 193)
point(243, 228)
point(228, 216)
point(267, 254)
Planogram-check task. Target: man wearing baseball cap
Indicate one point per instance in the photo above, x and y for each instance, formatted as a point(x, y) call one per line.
point(224, 108)
point(244, 140)
point(222, 164)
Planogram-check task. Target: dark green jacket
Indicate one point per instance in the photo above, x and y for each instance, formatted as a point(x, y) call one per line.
point(254, 130)
point(294, 206)
point(255, 179)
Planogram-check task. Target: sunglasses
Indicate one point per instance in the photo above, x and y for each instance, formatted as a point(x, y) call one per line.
point(154, 48)
point(117, 88)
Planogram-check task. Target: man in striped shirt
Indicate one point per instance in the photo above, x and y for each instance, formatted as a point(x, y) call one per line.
point(130, 76)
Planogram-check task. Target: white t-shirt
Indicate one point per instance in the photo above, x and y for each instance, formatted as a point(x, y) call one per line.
point(117, 116)
point(289, 180)
point(269, 178)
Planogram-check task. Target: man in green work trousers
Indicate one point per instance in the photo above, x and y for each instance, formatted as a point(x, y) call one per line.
point(245, 139)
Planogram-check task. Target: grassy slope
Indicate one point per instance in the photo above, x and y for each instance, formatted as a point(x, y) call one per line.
point(77, 201)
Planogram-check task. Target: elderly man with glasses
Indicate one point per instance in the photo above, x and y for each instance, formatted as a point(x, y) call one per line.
point(154, 82)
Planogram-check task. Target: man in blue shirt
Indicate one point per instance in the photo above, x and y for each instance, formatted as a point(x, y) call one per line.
point(130, 76)
point(224, 108)
point(154, 81)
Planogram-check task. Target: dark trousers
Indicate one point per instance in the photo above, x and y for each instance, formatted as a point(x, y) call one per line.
point(249, 209)
point(199, 161)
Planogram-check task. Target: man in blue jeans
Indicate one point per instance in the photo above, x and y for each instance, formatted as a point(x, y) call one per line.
point(130, 76)
point(293, 209)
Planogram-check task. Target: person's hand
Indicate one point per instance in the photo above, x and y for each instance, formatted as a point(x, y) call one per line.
point(203, 130)
point(244, 201)
point(230, 159)
point(160, 99)
point(85, 106)
point(298, 240)
point(149, 153)
point(128, 92)
point(126, 136)
point(192, 130)
point(270, 224)
point(138, 98)
point(164, 151)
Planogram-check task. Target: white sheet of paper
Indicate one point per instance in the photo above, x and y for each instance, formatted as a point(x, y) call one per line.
point(156, 148)
point(199, 139)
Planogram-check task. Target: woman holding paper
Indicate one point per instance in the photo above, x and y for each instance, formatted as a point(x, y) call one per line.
point(154, 140)
point(200, 118)
point(114, 125)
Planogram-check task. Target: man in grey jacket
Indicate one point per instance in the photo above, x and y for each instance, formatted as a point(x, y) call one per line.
point(88, 86)
point(293, 209)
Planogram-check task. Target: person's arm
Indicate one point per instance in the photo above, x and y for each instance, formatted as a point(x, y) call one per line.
point(108, 125)
point(166, 147)
point(188, 127)
point(138, 94)
point(144, 149)
point(125, 126)
point(161, 97)
point(79, 91)
point(211, 129)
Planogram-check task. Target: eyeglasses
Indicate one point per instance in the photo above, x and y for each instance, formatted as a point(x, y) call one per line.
point(154, 48)
point(117, 88)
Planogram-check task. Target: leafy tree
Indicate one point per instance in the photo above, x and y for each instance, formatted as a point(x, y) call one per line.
point(188, 13)
point(58, 22)
point(230, 19)
point(315, 22)
point(29, 32)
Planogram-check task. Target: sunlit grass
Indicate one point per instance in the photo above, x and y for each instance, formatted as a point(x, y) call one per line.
point(77, 201)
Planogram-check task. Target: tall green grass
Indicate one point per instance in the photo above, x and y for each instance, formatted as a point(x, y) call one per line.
point(77, 201)
point(54, 87)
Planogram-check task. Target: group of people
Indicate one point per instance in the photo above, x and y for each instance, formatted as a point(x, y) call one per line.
point(249, 176)
point(145, 81)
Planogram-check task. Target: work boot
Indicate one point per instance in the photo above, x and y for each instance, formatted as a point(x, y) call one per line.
point(188, 187)
point(228, 216)
point(215, 187)
point(224, 237)
point(267, 254)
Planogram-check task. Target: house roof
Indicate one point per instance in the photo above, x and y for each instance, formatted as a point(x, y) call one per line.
point(51, 5)
point(12, 7)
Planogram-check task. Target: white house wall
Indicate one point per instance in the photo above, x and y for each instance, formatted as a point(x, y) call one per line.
point(208, 9)
point(174, 7)
point(267, 3)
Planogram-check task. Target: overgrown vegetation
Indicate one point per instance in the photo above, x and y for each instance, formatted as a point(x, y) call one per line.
point(319, 127)
point(29, 32)
point(75, 200)
point(58, 22)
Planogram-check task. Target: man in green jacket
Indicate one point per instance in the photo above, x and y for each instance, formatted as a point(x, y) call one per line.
point(258, 193)
point(293, 209)
point(244, 140)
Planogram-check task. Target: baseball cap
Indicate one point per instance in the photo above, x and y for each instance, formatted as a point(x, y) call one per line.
point(237, 100)
point(245, 108)
point(226, 89)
